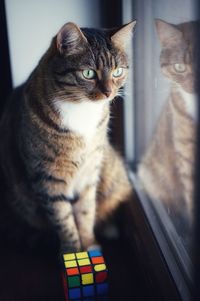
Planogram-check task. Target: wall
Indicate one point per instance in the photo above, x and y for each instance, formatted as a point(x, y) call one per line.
point(32, 24)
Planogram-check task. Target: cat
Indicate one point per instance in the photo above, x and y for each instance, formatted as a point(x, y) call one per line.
point(60, 171)
point(167, 168)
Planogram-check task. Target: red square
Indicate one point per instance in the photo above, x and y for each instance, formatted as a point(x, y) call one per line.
point(72, 271)
point(85, 269)
point(101, 276)
point(97, 260)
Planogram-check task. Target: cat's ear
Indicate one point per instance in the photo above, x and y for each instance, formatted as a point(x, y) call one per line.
point(167, 33)
point(70, 38)
point(122, 37)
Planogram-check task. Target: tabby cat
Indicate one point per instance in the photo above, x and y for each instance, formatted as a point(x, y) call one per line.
point(167, 168)
point(60, 171)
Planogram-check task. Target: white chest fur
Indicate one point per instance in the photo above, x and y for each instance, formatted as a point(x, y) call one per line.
point(190, 101)
point(81, 118)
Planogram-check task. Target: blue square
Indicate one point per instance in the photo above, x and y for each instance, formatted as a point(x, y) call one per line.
point(102, 289)
point(88, 290)
point(95, 253)
point(74, 293)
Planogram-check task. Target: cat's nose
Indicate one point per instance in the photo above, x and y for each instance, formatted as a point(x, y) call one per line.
point(106, 88)
point(107, 93)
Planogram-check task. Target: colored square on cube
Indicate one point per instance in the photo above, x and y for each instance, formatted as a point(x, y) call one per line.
point(82, 262)
point(101, 276)
point(69, 257)
point(73, 281)
point(95, 253)
point(72, 271)
point(102, 289)
point(82, 255)
point(88, 290)
point(74, 293)
point(70, 263)
point(85, 276)
point(96, 260)
point(99, 267)
point(86, 269)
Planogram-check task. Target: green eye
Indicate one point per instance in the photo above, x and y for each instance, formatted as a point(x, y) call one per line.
point(89, 74)
point(180, 67)
point(118, 72)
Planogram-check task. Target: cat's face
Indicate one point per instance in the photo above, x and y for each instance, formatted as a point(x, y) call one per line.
point(89, 64)
point(179, 53)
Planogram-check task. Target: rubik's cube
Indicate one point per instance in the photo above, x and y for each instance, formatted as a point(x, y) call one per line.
point(85, 276)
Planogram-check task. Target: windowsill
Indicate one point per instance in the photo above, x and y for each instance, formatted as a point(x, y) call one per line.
point(159, 247)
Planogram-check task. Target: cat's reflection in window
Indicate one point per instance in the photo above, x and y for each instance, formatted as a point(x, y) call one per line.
point(167, 168)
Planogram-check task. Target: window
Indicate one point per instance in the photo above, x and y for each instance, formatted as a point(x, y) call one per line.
point(161, 125)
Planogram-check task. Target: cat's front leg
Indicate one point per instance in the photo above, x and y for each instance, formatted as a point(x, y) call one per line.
point(61, 216)
point(51, 195)
point(85, 214)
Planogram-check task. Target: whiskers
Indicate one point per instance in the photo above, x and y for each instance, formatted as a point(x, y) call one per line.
point(121, 92)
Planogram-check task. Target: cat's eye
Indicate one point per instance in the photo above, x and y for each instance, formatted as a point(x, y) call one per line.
point(89, 74)
point(180, 67)
point(118, 72)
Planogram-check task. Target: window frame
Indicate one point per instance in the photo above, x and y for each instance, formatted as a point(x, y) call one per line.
point(5, 73)
point(111, 18)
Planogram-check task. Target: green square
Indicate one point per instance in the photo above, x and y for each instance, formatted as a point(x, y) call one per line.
point(73, 281)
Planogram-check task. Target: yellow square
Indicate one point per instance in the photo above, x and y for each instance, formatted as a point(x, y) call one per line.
point(82, 262)
point(70, 264)
point(81, 255)
point(87, 278)
point(99, 267)
point(69, 256)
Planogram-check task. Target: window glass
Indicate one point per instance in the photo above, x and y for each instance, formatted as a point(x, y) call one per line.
point(165, 112)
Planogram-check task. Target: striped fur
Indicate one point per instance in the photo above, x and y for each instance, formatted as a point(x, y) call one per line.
point(167, 168)
point(59, 168)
